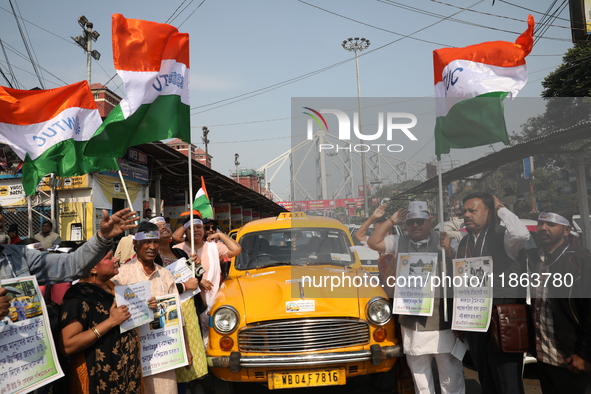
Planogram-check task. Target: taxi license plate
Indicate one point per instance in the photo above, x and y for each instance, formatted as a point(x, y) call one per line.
point(313, 378)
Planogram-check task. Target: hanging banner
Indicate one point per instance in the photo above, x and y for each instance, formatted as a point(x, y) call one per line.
point(473, 293)
point(162, 341)
point(414, 293)
point(28, 359)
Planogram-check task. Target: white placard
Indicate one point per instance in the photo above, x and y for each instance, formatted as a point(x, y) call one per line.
point(28, 359)
point(414, 293)
point(135, 296)
point(182, 273)
point(162, 341)
point(473, 293)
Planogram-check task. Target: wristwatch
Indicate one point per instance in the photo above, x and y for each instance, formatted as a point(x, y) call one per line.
point(102, 239)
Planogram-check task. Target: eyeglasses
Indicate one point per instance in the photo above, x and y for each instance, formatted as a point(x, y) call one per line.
point(208, 227)
point(412, 222)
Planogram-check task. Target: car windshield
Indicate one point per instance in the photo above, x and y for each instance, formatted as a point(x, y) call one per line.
point(297, 246)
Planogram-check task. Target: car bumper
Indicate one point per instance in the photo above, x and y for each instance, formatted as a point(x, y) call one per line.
point(236, 361)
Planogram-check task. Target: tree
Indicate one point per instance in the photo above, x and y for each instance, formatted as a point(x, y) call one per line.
point(567, 91)
point(571, 78)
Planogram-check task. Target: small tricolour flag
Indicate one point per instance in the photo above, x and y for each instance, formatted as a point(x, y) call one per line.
point(49, 129)
point(152, 59)
point(202, 203)
point(470, 86)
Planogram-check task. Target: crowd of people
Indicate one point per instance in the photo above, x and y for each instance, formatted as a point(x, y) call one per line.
point(102, 359)
point(99, 358)
point(561, 315)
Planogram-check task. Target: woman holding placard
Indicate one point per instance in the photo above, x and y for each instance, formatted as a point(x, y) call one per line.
point(103, 360)
point(168, 256)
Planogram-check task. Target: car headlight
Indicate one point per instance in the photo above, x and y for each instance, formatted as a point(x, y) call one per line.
point(225, 319)
point(379, 311)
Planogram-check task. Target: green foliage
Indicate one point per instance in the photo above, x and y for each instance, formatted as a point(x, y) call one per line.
point(571, 78)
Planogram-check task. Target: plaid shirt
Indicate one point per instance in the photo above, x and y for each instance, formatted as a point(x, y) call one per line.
point(547, 348)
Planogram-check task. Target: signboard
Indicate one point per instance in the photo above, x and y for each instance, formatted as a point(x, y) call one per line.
point(28, 359)
point(133, 166)
point(222, 211)
point(318, 205)
point(580, 20)
point(12, 193)
point(69, 183)
point(247, 215)
point(75, 220)
point(236, 213)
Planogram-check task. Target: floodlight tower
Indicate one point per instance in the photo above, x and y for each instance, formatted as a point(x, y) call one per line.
point(85, 41)
point(357, 45)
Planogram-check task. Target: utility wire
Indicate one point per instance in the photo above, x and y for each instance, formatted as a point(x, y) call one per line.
point(301, 77)
point(529, 9)
point(29, 40)
point(177, 8)
point(33, 63)
point(494, 15)
point(191, 14)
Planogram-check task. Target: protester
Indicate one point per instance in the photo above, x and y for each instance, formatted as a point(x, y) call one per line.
point(13, 234)
point(561, 312)
point(167, 256)
point(376, 218)
point(102, 359)
point(210, 226)
point(47, 236)
point(453, 228)
point(142, 268)
point(424, 337)
point(124, 251)
point(210, 255)
point(148, 214)
point(18, 260)
point(498, 372)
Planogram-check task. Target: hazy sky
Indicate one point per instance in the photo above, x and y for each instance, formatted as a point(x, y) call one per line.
point(241, 49)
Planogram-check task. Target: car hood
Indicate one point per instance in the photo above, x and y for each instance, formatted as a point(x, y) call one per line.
point(278, 293)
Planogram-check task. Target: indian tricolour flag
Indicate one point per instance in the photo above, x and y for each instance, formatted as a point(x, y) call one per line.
point(202, 203)
point(152, 59)
point(470, 86)
point(48, 130)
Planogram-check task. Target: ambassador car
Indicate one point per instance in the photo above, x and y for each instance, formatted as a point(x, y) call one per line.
point(281, 319)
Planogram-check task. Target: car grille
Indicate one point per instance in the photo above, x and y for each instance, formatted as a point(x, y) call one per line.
point(303, 335)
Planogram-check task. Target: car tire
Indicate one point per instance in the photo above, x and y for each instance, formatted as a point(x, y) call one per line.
point(221, 386)
point(384, 381)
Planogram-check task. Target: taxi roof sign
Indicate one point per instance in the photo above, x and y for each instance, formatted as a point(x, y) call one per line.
point(292, 215)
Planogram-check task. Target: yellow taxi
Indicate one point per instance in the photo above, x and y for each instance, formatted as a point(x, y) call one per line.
point(298, 310)
point(32, 309)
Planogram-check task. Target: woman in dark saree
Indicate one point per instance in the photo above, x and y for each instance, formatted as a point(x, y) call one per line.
point(103, 360)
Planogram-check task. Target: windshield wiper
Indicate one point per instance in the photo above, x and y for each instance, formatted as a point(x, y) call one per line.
point(325, 263)
point(277, 263)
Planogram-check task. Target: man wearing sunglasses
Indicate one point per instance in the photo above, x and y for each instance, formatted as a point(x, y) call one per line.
point(425, 337)
point(210, 226)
